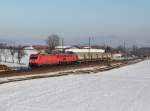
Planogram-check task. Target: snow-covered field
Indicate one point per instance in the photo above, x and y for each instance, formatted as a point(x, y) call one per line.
point(24, 60)
point(124, 89)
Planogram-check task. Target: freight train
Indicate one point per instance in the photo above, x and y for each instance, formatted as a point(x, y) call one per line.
point(66, 58)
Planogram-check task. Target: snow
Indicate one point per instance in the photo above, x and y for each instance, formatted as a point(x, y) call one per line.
point(24, 60)
point(123, 89)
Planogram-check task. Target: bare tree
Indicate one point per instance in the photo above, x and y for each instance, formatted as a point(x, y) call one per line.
point(134, 50)
point(52, 41)
point(1, 51)
point(4, 51)
point(120, 48)
point(108, 49)
point(6, 54)
point(12, 50)
point(0, 54)
point(20, 53)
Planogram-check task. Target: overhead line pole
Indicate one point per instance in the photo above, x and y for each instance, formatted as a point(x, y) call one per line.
point(62, 43)
point(89, 46)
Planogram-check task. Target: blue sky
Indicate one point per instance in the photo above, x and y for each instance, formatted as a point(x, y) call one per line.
point(31, 21)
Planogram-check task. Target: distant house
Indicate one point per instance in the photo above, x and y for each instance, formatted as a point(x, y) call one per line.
point(118, 55)
point(40, 48)
point(64, 48)
point(77, 49)
point(35, 49)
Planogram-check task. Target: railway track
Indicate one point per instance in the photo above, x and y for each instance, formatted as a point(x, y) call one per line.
point(53, 68)
point(61, 71)
point(56, 68)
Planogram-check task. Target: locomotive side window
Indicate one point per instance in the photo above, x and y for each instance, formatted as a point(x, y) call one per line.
point(33, 57)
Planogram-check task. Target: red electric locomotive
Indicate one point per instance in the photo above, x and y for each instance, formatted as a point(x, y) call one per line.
point(47, 59)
